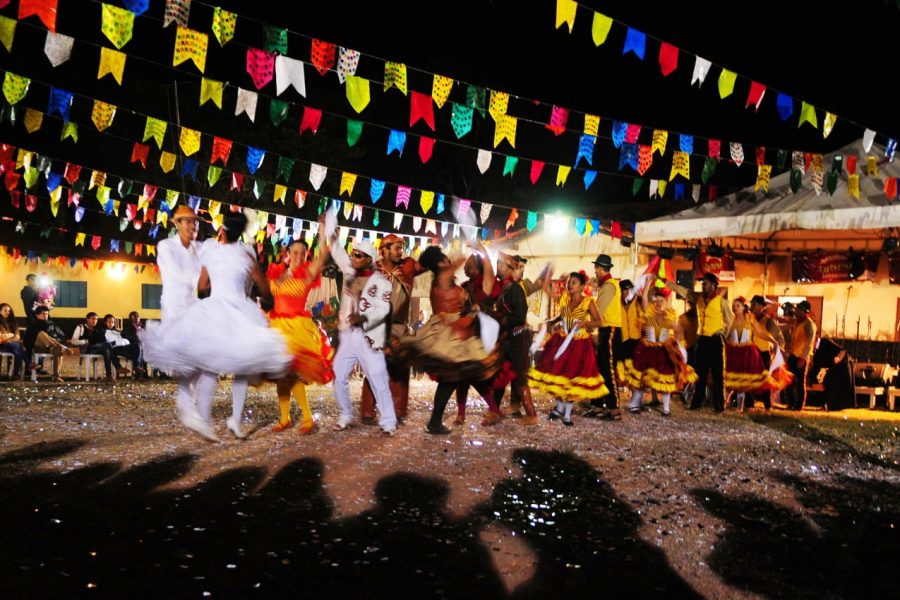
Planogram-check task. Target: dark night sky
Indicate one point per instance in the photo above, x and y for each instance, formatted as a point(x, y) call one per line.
point(836, 61)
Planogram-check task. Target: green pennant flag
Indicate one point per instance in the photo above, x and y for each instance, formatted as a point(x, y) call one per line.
point(509, 168)
point(475, 99)
point(123, 224)
point(781, 158)
point(213, 174)
point(275, 39)
point(376, 219)
point(323, 204)
point(129, 246)
point(531, 223)
point(259, 186)
point(709, 168)
point(45, 233)
point(837, 164)
point(31, 177)
point(831, 182)
point(461, 119)
point(124, 187)
point(278, 111)
point(796, 178)
point(285, 168)
point(636, 186)
point(354, 131)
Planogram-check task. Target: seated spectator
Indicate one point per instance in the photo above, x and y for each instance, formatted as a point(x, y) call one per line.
point(91, 340)
point(131, 330)
point(10, 340)
point(120, 346)
point(44, 336)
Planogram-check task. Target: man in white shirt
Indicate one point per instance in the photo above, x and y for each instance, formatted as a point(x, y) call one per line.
point(179, 267)
point(363, 326)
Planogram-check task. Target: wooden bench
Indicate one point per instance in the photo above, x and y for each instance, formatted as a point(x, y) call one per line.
point(892, 394)
point(872, 391)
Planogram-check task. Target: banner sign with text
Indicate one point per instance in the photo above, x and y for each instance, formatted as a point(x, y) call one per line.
point(834, 267)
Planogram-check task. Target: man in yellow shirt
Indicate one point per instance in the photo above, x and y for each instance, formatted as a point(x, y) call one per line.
point(803, 343)
point(609, 303)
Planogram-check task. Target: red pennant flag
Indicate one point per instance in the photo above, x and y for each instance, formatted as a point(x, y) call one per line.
point(150, 215)
point(131, 211)
point(426, 148)
point(715, 149)
point(11, 180)
point(755, 96)
point(221, 150)
point(30, 202)
point(84, 264)
point(851, 163)
point(760, 155)
point(138, 249)
point(312, 117)
point(299, 198)
point(421, 107)
point(615, 230)
point(536, 167)
point(44, 9)
point(513, 215)
point(150, 191)
point(890, 188)
point(713, 192)
point(668, 58)
point(95, 244)
point(139, 153)
point(237, 181)
point(15, 198)
point(322, 56)
point(807, 160)
point(6, 153)
point(71, 173)
point(632, 133)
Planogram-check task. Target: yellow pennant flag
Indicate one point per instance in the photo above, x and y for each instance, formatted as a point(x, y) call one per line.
point(828, 125)
point(7, 32)
point(116, 24)
point(872, 166)
point(440, 89)
point(156, 129)
point(280, 193)
point(660, 138)
point(223, 25)
point(565, 13)
point(162, 217)
point(79, 239)
point(726, 83)
point(33, 120)
point(103, 195)
point(54, 200)
point(763, 175)
point(348, 180)
point(97, 178)
point(661, 188)
point(167, 162)
point(213, 174)
point(23, 158)
point(348, 208)
point(357, 92)
point(600, 28)
point(31, 177)
point(681, 165)
point(499, 104)
point(591, 124)
point(426, 201)
point(215, 208)
point(112, 62)
point(189, 141)
point(395, 76)
point(211, 90)
point(853, 185)
point(190, 44)
point(505, 128)
point(14, 87)
point(103, 114)
point(69, 130)
point(588, 228)
point(260, 235)
point(808, 115)
point(562, 174)
point(143, 202)
point(151, 250)
point(171, 198)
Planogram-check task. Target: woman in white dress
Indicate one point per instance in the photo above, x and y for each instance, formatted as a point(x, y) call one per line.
point(224, 333)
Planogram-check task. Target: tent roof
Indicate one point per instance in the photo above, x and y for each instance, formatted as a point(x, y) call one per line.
point(780, 215)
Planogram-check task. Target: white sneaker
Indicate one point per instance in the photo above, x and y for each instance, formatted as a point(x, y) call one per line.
point(234, 426)
point(341, 424)
point(200, 427)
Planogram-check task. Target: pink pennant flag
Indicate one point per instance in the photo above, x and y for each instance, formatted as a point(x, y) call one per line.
point(260, 66)
point(632, 133)
point(558, 119)
point(403, 193)
point(462, 210)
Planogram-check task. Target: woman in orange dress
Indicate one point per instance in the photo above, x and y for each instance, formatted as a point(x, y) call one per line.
point(291, 283)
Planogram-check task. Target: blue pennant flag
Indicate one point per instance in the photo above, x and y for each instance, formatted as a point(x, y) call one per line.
point(589, 177)
point(580, 225)
point(114, 245)
point(890, 149)
point(618, 132)
point(686, 143)
point(440, 203)
point(679, 191)
point(785, 106)
point(396, 141)
point(53, 181)
point(586, 149)
point(60, 102)
point(376, 189)
point(595, 227)
point(194, 202)
point(138, 7)
point(254, 158)
point(628, 155)
point(635, 41)
point(190, 168)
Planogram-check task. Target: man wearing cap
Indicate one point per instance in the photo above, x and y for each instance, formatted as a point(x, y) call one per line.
point(363, 322)
point(400, 271)
point(630, 333)
point(714, 317)
point(179, 268)
point(759, 309)
point(609, 303)
point(803, 340)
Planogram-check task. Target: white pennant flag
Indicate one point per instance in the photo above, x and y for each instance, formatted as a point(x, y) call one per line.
point(417, 224)
point(445, 226)
point(654, 186)
point(347, 63)
point(246, 102)
point(737, 153)
point(456, 231)
point(431, 227)
point(357, 212)
point(701, 68)
point(317, 175)
point(485, 212)
point(289, 72)
point(868, 138)
point(398, 219)
point(695, 192)
point(58, 48)
point(280, 221)
point(484, 160)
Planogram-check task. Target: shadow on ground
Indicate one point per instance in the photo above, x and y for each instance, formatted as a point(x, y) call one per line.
point(109, 531)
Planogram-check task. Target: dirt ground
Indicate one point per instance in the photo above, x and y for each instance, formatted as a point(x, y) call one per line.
point(105, 494)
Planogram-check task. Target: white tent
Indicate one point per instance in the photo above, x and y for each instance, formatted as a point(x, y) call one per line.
point(780, 218)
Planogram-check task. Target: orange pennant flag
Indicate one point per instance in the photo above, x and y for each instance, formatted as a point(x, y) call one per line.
point(44, 9)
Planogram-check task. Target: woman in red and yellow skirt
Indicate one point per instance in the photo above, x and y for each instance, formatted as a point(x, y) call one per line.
point(291, 284)
point(658, 364)
point(567, 367)
point(745, 370)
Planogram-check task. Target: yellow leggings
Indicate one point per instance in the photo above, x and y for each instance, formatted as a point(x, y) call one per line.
point(286, 388)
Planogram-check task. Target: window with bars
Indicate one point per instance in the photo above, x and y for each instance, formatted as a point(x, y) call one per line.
point(72, 294)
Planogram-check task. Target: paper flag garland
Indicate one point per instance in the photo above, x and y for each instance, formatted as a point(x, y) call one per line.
point(223, 25)
point(763, 174)
point(421, 107)
point(177, 11)
point(426, 148)
point(559, 116)
point(246, 103)
point(395, 76)
point(509, 166)
point(317, 175)
point(440, 89)
point(376, 189)
point(737, 153)
point(565, 13)
point(701, 69)
point(289, 72)
point(591, 124)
